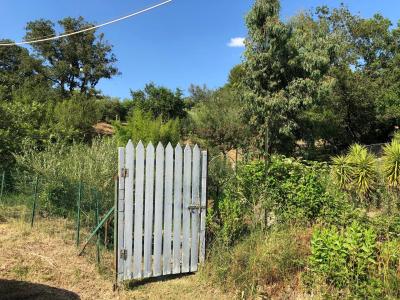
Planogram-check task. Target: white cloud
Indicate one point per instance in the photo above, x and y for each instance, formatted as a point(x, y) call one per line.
point(237, 42)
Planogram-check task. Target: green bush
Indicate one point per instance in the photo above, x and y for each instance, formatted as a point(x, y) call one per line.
point(353, 262)
point(291, 192)
point(142, 126)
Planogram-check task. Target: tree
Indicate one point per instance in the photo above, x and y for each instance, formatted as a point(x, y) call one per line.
point(197, 94)
point(160, 101)
point(17, 69)
point(217, 120)
point(363, 104)
point(286, 68)
point(74, 62)
point(73, 119)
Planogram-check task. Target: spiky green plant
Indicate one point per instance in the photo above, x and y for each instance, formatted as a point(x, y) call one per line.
point(396, 136)
point(364, 171)
point(341, 171)
point(391, 164)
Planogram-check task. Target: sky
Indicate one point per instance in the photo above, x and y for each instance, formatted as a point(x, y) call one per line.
point(182, 43)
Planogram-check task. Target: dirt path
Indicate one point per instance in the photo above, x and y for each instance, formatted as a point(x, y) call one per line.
point(42, 264)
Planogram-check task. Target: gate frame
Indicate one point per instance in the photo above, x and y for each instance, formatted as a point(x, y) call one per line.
point(119, 212)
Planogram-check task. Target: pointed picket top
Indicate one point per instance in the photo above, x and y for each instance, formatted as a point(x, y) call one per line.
point(160, 148)
point(129, 146)
point(178, 146)
point(169, 147)
point(140, 146)
point(150, 147)
point(188, 148)
point(196, 148)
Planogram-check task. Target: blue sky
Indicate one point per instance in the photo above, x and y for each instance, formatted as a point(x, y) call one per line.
point(181, 43)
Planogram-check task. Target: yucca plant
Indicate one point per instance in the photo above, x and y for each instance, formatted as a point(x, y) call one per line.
point(391, 164)
point(341, 171)
point(356, 172)
point(364, 171)
point(396, 136)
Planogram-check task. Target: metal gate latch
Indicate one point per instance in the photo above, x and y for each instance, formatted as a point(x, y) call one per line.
point(196, 206)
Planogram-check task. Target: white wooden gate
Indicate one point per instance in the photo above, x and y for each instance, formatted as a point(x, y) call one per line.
point(161, 210)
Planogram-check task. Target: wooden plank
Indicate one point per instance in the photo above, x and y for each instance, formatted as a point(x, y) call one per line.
point(148, 210)
point(168, 200)
point(138, 229)
point(187, 174)
point(203, 201)
point(158, 209)
point(177, 210)
point(195, 213)
point(129, 166)
point(121, 207)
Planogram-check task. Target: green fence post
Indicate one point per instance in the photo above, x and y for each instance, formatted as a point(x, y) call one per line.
point(96, 194)
point(34, 199)
point(2, 185)
point(78, 218)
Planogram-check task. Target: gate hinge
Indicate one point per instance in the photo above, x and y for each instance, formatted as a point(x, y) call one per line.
point(123, 254)
point(124, 172)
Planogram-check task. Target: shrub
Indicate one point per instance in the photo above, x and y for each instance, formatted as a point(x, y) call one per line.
point(60, 168)
point(143, 126)
point(262, 263)
point(391, 170)
point(292, 192)
point(352, 262)
point(357, 173)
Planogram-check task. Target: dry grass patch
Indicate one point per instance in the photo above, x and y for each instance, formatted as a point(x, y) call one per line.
point(47, 255)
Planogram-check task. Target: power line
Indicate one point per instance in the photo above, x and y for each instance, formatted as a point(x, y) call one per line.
point(45, 39)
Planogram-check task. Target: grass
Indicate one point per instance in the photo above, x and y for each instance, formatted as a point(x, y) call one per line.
point(265, 264)
point(45, 257)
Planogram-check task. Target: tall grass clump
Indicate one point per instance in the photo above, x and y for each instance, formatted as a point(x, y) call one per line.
point(60, 169)
point(260, 264)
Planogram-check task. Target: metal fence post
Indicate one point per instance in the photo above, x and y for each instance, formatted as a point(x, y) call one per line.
point(96, 195)
point(2, 185)
point(78, 217)
point(34, 199)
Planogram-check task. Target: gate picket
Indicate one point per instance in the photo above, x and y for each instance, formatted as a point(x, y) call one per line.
point(161, 210)
point(203, 204)
point(121, 215)
point(148, 210)
point(187, 174)
point(158, 210)
point(169, 175)
point(129, 164)
point(138, 229)
point(177, 210)
point(195, 212)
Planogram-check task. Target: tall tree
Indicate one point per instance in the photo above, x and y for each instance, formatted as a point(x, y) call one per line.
point(17, 67)
point(74, 62)
point(286, 71)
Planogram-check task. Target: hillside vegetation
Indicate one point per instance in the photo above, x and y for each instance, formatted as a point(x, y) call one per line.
point(301, 210)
